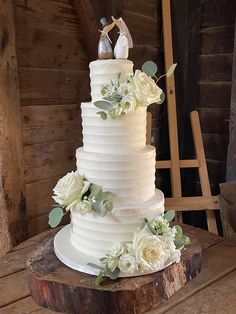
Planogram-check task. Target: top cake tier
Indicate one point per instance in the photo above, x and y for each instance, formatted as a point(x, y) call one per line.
point(103, 71)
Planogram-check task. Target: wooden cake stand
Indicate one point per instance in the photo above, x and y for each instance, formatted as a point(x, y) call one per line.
point(60, 288)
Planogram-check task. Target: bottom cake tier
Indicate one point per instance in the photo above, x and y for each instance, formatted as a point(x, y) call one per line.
point(95, 236)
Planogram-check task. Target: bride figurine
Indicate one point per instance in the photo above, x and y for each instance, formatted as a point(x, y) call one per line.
point(124, 42)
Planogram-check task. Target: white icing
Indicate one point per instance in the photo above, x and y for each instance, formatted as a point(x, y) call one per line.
point(115, 156)
point(120, 135)
point(103, 71)
point(130, 177)
point(95, 235)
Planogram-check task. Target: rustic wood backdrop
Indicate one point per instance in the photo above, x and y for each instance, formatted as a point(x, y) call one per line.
point(55, 40)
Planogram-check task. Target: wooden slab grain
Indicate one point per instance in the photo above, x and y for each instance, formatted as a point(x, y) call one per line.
point(48, 277)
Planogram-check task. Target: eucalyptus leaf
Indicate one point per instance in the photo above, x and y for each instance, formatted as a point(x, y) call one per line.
point(150, 68)
point(179, 244)
point(113, 98)
point(102, 104)
point(55, 217)
point(102, 259)
point(95, 266)
point(163, 97)
point(102, 114)
point(99, 278)
point(171, 70)
point(169, 215)
point(112, 274)
point(179, 233)
point(186, 240)
point(94, 190)
point(150, 227)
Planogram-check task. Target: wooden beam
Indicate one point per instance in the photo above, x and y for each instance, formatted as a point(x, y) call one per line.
point(188, 163)
point(12, 195)
point(231, 158)
point(171, 101)
point(192, 203)
point(202, 170)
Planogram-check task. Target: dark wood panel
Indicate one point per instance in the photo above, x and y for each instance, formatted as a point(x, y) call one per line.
point(215, 146)
point(231, 158)
point(215, 67)
point(54, 133)
point(214, 120)
point(214, 94)
point(50, 14)
point(216, 170)
point(217, 40)
point(217, 13)
point(145, 30)
point(13, 228)
point(43, 202)
point(149, 8)
point(54, 83)
point(141, 54)
point(41, 48)
point(39, 155)
point(41, 116)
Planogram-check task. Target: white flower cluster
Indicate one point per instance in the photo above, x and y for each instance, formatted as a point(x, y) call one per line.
point(69, 191)
point(147, 251)
point(74, 192)
point(122, 98)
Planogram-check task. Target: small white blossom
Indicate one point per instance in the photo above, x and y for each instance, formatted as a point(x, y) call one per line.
point(124, 89)
point(128, 103)
point(128, 264)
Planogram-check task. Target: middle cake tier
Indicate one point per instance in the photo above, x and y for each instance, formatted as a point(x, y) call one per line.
point(130, 177)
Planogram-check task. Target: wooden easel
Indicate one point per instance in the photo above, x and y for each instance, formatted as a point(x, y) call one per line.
point(177, 201)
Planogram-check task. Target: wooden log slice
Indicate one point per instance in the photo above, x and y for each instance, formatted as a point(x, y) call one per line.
point(56, 286)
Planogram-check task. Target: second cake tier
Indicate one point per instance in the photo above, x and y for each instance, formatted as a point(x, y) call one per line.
point(130, 177)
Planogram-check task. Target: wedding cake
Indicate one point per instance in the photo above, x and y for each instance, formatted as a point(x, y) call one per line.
point(118, 226)
point(115, 156)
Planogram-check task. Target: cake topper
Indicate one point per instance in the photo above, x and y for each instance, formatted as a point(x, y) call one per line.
point(104, 45)
point(123, 44)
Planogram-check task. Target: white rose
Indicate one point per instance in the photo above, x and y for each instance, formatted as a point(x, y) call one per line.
point(128, 103)
point(124, 89)
point(128, 264)
point(145, 89)
point(68, 189)
point(150, 250)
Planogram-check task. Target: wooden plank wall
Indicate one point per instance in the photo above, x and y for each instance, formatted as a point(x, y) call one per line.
point(53, 80)
point(215, 74)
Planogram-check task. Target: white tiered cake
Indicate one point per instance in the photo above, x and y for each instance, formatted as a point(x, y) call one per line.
point(118, 227)
point(115, 156)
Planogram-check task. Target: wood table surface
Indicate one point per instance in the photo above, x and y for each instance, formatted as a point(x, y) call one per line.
point(212, 291)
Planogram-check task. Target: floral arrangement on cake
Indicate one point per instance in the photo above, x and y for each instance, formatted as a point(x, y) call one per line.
point(75, 192)
point(155, 245)
point(139, 90)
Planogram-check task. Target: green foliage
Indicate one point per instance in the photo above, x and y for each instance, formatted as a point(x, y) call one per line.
point(102, 104)
point(102, 114)
point(169, 215)
point(150, 227)
point(112, 274)
point(55, 217)
point(171, 70)
point(180, 239)
point(99, 278)
point(150, 68)
point(163, 97)
point(101, 201)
